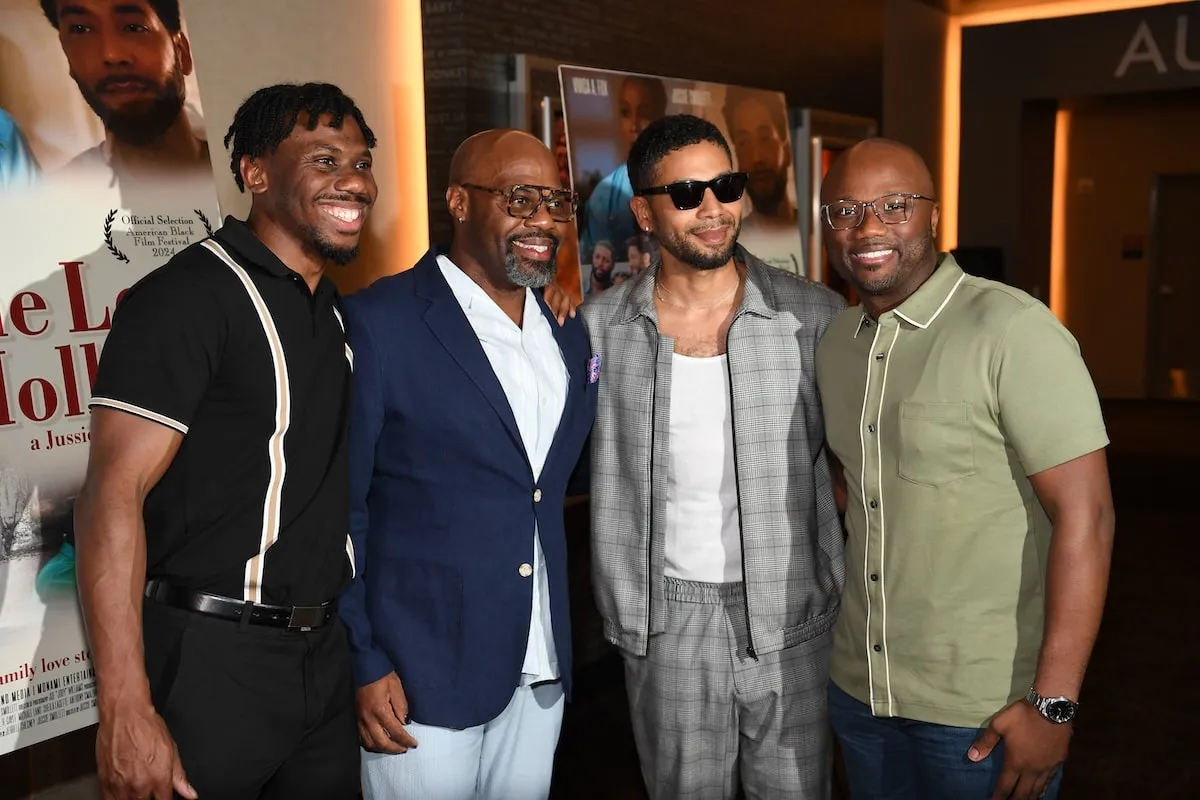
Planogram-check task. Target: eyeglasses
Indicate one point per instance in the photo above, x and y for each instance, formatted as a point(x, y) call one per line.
point(523, 201)
point(687, 195)
point(892, 209)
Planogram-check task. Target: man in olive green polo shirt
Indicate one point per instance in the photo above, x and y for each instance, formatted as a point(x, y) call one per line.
point(978, 507)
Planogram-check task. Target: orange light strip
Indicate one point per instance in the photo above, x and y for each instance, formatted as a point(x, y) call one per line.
point(1058, 215)
point(406, 75)
point(951, 144)
point(952, 85)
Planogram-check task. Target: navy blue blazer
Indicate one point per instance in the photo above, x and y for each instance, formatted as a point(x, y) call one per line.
point(443, 502)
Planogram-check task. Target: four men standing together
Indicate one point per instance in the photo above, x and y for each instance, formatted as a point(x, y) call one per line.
point(727, 415)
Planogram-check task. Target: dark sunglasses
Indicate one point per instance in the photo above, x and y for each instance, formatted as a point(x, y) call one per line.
point(687, 195)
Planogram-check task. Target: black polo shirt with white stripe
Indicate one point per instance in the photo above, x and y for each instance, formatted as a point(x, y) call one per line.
point(228, 346)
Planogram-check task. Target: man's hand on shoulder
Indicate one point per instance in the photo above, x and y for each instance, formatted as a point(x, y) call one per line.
point(382, 714)
point(560, 303)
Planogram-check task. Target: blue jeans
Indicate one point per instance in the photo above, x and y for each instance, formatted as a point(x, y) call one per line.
point(890, 758)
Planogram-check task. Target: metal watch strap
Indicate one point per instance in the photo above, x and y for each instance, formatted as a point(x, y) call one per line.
point(1042, 704)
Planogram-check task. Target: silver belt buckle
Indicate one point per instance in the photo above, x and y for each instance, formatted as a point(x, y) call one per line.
point(301, 618)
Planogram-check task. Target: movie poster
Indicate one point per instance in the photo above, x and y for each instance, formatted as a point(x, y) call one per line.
point(104, 175)
point(604, 113)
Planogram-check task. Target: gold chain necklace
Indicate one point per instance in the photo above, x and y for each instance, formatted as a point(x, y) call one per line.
point(659, 289)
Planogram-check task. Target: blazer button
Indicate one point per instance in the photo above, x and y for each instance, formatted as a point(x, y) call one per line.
point(526, 570)
point(537, 495)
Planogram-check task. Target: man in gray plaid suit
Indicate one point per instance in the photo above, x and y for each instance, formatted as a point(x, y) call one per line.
point(716, 542)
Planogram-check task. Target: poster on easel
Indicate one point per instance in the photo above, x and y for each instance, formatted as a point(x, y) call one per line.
point(104, 175)
point(604, 111)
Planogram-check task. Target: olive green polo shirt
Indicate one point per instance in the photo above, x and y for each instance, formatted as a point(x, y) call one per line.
point(939, 411)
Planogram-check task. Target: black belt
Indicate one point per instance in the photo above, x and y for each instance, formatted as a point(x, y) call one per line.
point(301, 618)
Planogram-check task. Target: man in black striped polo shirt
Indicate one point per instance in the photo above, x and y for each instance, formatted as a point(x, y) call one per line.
point(212, 526)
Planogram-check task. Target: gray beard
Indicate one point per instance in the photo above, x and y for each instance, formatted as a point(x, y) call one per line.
point(532, 274)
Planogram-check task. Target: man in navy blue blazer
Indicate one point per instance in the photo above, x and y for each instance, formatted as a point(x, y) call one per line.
point(471, 410)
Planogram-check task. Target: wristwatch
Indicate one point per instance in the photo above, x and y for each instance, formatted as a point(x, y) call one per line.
point(1058, 710)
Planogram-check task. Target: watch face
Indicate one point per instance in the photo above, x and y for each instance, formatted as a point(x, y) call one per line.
point(1060, 711)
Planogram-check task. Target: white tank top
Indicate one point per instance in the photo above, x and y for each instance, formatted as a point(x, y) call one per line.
point(703, 542)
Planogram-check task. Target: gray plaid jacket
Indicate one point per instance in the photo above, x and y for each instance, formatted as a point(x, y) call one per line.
point(791, 535)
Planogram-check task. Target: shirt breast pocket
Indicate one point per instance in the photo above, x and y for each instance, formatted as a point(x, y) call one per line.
point(936, 447)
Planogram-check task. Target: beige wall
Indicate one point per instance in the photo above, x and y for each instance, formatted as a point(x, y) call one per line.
point(1115, 151)
point(373, 53)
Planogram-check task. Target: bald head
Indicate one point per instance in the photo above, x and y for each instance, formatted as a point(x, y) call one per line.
point(880, 220)
point(897, 165)
point(484, 157)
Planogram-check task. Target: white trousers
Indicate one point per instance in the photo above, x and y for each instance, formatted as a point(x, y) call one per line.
point(509, 758)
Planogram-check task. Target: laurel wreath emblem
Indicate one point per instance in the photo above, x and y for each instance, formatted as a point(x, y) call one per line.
point(108, 237)
point(207, 227)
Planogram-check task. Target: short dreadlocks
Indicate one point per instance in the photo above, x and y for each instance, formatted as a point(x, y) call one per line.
point(268, 116)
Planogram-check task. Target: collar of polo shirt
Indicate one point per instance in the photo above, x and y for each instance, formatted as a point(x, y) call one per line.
point(927, 302)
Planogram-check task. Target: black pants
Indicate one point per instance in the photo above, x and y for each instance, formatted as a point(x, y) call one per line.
point(256, 712)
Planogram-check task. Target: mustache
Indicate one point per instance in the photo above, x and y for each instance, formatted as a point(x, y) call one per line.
point(521, 237)
point(871, 245)
point(724, 221)
point(104, 84)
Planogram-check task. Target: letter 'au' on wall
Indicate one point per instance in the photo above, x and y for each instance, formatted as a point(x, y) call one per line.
point(1144, 48)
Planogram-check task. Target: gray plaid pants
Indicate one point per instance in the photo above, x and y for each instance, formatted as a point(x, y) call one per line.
point(704, 711)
